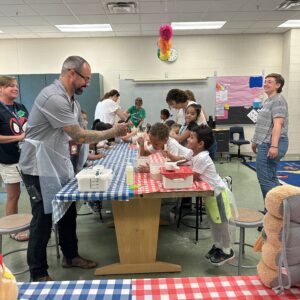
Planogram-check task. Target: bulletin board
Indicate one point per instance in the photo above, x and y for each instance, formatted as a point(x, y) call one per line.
point(238, 99)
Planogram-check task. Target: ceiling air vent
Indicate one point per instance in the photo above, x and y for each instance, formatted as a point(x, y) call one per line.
point(122, 7)
point(289, 5)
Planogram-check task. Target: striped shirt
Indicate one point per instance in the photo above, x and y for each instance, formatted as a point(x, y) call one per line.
point(274, 107)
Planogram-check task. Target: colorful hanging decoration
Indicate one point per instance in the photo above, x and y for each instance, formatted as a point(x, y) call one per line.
point(165, 51)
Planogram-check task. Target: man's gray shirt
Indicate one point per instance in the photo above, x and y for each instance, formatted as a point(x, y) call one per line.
point(52, 110)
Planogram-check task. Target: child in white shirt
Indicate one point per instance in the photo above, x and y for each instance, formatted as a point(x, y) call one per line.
point(218, 207)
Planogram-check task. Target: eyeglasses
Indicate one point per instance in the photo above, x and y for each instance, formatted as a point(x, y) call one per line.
point(85, 78)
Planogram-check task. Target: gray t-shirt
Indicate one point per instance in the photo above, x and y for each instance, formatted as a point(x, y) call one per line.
point(273, 107)
point(52, 110)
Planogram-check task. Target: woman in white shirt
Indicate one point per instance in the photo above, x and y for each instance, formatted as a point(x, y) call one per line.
point(107, 109)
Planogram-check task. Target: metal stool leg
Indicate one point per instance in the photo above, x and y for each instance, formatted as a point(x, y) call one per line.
point(197, 217)
point(179, 214)
point(241, 249)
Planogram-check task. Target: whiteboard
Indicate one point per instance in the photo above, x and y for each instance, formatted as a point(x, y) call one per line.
point(154, 95)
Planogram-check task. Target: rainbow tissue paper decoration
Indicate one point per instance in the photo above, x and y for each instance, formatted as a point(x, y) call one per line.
point(165, 42)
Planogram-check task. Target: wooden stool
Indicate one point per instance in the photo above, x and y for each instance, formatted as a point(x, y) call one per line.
point(247, 218)
point(14, 224)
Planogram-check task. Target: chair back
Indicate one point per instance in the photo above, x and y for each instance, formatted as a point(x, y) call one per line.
point(237, 130)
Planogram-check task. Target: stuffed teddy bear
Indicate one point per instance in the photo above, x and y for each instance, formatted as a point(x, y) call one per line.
point(279, 266)
point(8, 285)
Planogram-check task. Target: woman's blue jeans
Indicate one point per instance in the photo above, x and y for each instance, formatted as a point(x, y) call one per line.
point(266, 167)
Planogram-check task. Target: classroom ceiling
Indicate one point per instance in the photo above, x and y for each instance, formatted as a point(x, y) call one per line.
point(36, 18)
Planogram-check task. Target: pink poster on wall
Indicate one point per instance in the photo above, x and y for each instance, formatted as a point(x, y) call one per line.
point(238, 95)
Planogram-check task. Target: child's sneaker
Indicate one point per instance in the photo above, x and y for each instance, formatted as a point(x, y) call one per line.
point(211, 252)
point(220, 258)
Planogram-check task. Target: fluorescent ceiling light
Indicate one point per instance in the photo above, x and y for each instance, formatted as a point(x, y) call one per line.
point(84, 27)
point(197, 25)
point(290, 23)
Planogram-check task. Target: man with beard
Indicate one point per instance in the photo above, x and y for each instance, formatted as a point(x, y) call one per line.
point(46, 166)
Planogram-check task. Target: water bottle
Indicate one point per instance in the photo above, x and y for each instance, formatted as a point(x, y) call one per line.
point(129, 174)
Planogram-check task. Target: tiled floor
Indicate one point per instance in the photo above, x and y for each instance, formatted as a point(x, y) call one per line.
point(97, 241)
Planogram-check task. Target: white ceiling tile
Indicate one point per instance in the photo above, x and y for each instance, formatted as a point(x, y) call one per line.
point(242, 16)
point(229, 31)
point(149, 33)
point(127, 19)
point(43, 28)
point(17, 10)
point(128, 33)
point(217, 16)
point(15, 29)
point(33, 20)
point(86, 1)
point(186, 17)
point(11, 2)
point(7, 21)
point(153, 18)
point(151, 27)
point(235, 25)
point(246, 16)
point(43, 1)
point(126, 27)
point(192, 6)
point(59, 20)
point(260, 5)
point(265, 24)
point(152, 7)
point(279, 15)
point(93, 19)
point(296, 16)
point(51, 9)
point(225, 5)
point(256, 30)
point(87, 9)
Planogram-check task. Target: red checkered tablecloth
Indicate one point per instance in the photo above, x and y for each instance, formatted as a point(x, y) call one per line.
point(147, 185)
point(219, 288)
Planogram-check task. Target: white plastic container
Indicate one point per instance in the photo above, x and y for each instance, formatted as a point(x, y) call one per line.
point(155, 170)
point(91, 180)
point(177, 179)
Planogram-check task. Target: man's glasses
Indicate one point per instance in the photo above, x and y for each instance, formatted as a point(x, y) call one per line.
point(85, 78)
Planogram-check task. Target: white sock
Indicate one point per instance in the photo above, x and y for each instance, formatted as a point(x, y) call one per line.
point(218, 245)
point(226, 250)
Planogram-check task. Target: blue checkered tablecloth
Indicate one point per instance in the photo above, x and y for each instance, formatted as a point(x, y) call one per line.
point(112, 289)
point(116, 159)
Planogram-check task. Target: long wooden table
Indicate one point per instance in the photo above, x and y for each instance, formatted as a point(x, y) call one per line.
point(137, 219)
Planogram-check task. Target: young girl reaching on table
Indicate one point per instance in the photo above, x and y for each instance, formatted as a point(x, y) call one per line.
point(219, 206)
point(192, 114)
point(159, 140)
